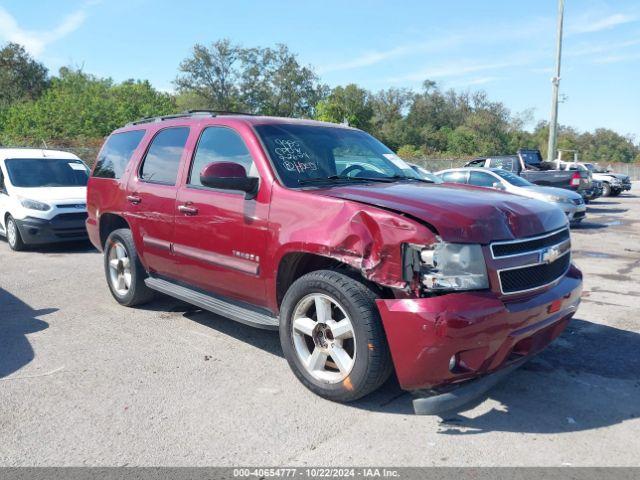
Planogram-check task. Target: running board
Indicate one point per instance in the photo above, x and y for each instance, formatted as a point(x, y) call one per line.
point(213, 304)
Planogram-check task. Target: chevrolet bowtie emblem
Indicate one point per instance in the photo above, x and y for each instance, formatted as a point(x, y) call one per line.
point(549, 255)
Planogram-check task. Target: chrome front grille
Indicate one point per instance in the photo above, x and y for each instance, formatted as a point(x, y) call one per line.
point(545, 259)
point(528, 245)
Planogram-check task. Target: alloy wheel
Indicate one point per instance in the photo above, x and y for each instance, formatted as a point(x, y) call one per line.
point(324, 338)
point(119, 268)
point(12, 232)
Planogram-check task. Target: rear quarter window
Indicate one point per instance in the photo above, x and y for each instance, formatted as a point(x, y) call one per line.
point(116, 153)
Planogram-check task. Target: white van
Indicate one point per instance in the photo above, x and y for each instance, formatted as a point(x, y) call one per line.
point(42, 196)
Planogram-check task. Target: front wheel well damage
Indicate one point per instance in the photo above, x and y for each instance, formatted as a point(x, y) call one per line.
point(296, 264)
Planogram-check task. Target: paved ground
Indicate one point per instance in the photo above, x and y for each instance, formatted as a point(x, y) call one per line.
point(84, 381)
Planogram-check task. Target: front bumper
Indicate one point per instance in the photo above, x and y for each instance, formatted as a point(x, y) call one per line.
point(483, 333)
point(65, 227)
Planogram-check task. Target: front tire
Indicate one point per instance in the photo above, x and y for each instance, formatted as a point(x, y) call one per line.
point(332, 336)
point(14, 239)
point(606, 189)
point(125, 274)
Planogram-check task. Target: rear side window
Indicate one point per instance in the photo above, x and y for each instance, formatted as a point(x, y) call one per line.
point(116, 153)
point(220, 144)
point(481, 179)
point(455, 177)
point(161, 163)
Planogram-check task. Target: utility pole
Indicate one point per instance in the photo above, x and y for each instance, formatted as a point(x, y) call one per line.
point(555, 85)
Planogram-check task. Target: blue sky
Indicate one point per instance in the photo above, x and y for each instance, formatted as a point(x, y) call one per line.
point(503, 47)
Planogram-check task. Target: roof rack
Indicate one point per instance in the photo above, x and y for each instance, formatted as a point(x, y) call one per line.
point(188, 113)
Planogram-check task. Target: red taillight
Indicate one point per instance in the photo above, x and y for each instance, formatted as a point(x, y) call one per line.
point(575, 180)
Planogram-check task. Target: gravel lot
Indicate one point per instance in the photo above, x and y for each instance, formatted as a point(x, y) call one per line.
point(84, 381)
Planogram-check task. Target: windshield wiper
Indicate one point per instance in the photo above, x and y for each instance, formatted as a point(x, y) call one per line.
point(395, 178)
point(306, 181)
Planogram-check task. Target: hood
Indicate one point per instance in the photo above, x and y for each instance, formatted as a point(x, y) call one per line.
point(538, 191)
point(53, 194)
point(459, 213)
point(620, 176)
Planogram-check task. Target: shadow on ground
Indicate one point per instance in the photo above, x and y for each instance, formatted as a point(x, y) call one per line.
point(17, 319)
point(588, 378)
point(606, 210)
point(83, 246)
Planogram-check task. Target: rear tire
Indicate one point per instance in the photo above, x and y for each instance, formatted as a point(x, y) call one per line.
point(125, 274)
point(332, 336)
point(14, 239)
point(606, 189)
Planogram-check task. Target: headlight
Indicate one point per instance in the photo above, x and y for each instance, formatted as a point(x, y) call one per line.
point(555, 199)
point(453, 266)
point(34, 205)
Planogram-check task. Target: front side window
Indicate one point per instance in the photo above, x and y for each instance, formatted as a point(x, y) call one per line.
point(46, 172)
point(162, 161)
point(116, 153)
point(481, 179)
point(220, 144)
point(303, 154)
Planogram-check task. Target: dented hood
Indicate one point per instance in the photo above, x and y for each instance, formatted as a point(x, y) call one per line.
point(459, 213)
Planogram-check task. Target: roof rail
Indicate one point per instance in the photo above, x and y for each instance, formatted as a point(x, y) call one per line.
point(219, 112)
point(188, 113)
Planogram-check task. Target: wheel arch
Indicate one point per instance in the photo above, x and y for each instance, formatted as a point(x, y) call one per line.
point(110, 222)
point(294, 265)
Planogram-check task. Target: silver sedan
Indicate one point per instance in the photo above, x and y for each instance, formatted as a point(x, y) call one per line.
point(570, 202)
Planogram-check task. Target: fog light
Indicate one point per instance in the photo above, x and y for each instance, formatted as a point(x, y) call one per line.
point(453, 362)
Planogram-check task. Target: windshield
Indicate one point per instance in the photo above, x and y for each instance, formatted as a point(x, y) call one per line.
point(46, 172)
point(513, 179)
point(304, 154)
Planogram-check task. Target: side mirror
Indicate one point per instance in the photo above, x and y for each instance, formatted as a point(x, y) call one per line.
point(498, 186)
point(229, 176)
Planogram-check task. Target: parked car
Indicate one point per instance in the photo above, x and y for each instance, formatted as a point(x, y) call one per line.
point(426, 174)
point(569, 202)
point(613, 184)
point(323, 233)
point(42, 197)
point(529, 165)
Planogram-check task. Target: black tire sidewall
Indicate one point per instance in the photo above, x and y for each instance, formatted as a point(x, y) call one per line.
point(357, 384)
point(138, 291)
point(19, 244)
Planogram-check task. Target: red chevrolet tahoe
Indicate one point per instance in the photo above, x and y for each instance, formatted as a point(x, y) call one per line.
point(322, 232)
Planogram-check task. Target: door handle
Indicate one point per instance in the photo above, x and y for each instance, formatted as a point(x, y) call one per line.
point(188, 210)
point(134, 199)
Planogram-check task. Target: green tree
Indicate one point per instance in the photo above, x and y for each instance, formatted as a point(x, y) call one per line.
point(274, 83)
point(81, 106)
point(268, 81)
point(21, 77)
point(350, 104)
point(213, 74)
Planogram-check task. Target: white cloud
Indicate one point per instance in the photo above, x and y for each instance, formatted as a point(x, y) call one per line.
point(617, 58)
point(373, 57)
point(35, 42)
point(472, 82)
point(591, 22)
point(456, 69)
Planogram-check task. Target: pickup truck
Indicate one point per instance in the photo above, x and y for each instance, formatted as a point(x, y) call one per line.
point(530, 166)
point(613, 184)
point(321, 232)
